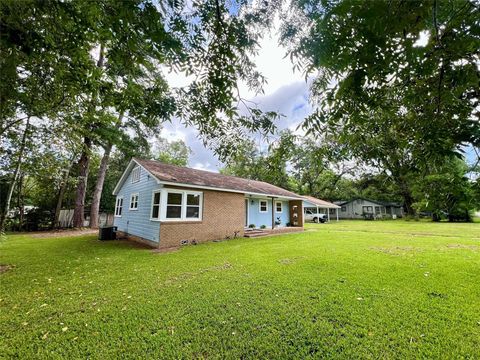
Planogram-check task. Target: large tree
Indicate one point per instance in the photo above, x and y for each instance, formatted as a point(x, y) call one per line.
point(395, 83)
point(98, 66)
point(174, 152)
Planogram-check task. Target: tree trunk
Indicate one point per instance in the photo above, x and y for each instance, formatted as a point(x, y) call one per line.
point(97, 194)
point(407, 204)
point(8, 200)
point(20, 202)
point(83, 164)
point(61, 194)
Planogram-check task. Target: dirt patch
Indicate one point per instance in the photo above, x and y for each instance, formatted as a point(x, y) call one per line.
point(166, 250)
point(64, 233)
point(461, 246)
point(288, 261)
point(397, 250)
point(5, 268)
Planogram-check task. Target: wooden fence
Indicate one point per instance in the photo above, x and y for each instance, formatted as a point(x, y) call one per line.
point(65, 219)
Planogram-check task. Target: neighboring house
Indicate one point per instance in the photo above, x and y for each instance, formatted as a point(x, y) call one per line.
point(357, 208)
point(318, 206)
point(165, 205)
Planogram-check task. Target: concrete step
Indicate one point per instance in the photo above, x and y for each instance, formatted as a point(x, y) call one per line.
point(255, 233)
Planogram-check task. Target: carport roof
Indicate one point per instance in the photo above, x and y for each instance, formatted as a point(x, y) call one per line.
point(321, 203)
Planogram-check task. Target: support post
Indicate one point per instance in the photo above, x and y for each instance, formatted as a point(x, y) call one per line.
point(337, 214)
point(273, 213)
point(328, 214)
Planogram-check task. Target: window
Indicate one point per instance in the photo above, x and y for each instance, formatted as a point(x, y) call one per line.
point(344, 208)
point(193, 206)
point(263, 206)
point(182, 205)
point(136, 174)
point(134, 202)
point(155, 215)
point(368, 209)
point(174, 205)
point(278, 207)
point(377, 210)
point(118, 207)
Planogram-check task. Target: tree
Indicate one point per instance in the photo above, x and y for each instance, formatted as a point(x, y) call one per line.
point(446, 190)
point(270, 166)
point(172, 152)
point(388, 98)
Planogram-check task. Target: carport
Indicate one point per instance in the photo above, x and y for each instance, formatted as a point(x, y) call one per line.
point(311, 202)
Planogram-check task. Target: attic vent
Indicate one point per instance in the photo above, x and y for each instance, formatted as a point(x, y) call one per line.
point(136, 174)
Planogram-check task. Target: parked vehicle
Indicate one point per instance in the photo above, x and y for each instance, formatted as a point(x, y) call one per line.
point(312, 216)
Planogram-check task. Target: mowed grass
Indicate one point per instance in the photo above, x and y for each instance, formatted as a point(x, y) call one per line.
point(352, 289)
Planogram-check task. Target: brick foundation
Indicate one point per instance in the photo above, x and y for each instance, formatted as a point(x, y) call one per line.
point(223, 216)
point(130, 237)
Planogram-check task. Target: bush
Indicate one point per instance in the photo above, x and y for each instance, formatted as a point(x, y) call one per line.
point(251, 226)
point(263, 226)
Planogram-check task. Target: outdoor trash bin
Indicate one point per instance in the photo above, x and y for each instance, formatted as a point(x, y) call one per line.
point(107, 233)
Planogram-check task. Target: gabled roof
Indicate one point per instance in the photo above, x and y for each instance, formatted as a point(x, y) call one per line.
point(182, 176)
point(320, 203)
point(384, 203)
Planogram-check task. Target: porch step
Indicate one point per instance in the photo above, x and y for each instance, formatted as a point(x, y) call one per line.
point(255, 233)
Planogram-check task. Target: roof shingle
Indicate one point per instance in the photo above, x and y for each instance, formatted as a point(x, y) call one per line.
point(202, 178)
point(320, 203)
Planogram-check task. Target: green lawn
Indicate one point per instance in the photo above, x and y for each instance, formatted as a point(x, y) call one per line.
point(390, 289)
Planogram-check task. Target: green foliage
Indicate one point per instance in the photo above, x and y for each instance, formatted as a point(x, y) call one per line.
point(271, 166)
point(172, 152)
point(380, 95)
point(446, 190)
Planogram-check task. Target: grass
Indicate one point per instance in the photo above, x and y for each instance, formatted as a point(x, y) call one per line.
point(351, 289)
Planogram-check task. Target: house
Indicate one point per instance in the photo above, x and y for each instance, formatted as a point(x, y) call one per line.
point(318, 206)
point(165, 205)
point(357, 208)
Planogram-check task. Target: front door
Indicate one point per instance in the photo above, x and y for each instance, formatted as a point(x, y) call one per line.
point(246, 212)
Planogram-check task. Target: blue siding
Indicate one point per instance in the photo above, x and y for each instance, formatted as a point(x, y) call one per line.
point(259, 219)
point(137, 222)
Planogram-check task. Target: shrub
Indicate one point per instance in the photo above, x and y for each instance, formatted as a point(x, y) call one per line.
point(251, 226)
point(263, 226)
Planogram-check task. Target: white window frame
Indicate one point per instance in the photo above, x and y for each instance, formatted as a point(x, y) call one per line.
point(136, 174)
point(183, 216)
point(276, 207)
point(260, 206)
point(118, 206)
point(136, 202)
point(365, 209)
point(159, 205)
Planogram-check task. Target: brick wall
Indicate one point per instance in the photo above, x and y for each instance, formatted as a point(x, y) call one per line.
point(223, 215)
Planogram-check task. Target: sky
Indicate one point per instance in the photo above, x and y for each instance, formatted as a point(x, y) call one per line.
point(286, 92)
